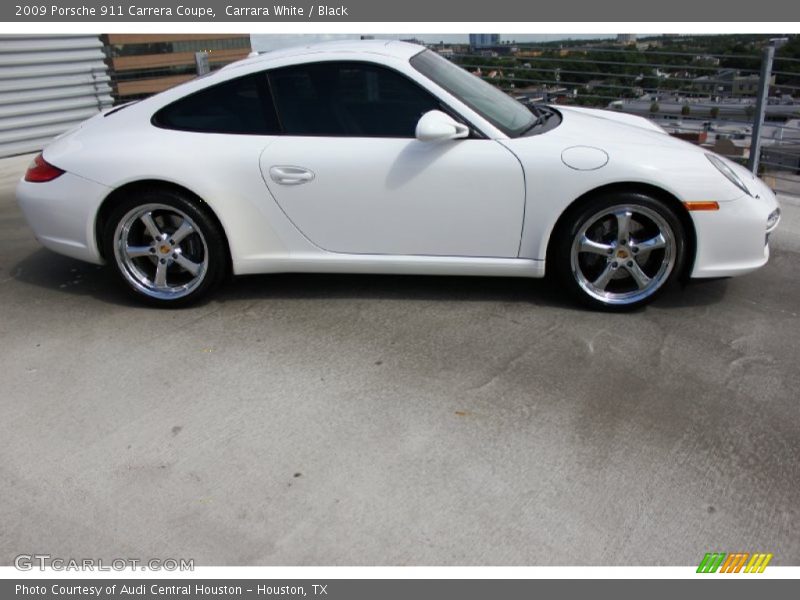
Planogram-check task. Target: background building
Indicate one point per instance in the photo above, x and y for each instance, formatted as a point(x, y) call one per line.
point(48, 84)
point(144, 64)
point(483, 40)
point(729, 82)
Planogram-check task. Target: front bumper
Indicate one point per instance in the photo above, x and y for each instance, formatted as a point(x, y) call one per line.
point(62, 214)
point(735, 239)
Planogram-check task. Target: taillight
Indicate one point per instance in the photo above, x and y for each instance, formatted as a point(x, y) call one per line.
point(40, 171)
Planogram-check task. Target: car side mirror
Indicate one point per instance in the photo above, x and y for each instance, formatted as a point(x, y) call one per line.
point(436, 126)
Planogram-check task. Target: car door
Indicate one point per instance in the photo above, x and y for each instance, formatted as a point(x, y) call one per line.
point(350, 175)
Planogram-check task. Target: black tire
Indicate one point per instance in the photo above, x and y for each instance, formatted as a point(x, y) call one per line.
point(589, 259)
point(180, 266)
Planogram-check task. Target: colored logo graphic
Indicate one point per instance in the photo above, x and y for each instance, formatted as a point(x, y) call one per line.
point(734, 562)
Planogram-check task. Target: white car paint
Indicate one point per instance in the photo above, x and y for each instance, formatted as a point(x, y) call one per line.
point(730, 241)
point(463, 206)
point(402, 196)
point(618, 117)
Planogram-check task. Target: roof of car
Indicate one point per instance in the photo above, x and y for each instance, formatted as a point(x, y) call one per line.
point(392, 48)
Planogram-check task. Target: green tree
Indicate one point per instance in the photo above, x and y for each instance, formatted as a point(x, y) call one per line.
point(654, 107)
point(686, 110)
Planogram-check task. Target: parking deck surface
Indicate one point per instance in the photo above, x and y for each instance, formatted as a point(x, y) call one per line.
point(365, 420)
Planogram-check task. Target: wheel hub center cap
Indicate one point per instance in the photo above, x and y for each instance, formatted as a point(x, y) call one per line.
point(164, 249)
point(622, 253)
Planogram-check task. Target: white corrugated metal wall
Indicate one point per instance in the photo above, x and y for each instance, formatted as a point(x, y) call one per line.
point(48, 84)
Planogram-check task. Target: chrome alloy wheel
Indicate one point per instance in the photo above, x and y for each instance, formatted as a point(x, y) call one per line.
point(623, 254)
point(161, 251)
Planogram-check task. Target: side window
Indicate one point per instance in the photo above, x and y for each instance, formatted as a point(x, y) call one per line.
point(239, 106)
point(348, 99)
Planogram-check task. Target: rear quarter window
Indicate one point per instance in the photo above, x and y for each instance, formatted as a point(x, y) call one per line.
point(240, 106)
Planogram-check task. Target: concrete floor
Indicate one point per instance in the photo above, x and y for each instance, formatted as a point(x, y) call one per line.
point(343, 420)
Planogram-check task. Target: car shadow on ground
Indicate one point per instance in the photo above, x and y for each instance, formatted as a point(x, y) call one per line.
point(58, 273)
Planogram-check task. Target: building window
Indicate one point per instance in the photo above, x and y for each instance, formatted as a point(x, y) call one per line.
point(210, 45)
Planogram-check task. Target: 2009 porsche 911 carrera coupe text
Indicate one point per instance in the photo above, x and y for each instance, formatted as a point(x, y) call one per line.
point(383, 157)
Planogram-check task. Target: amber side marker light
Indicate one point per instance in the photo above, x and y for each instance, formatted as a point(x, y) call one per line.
point(40, 171)
point(702, 205)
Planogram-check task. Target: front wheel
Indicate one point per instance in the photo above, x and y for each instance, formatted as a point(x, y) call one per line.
point(619, 251)
point(167, 251)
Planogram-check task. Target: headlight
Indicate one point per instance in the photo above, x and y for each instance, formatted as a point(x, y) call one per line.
point(731, 175)
point(773, 219)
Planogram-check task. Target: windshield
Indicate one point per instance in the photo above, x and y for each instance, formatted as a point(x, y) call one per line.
point(500, 109)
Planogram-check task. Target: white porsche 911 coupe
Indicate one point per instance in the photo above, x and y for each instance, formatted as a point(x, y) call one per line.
point(383, 157)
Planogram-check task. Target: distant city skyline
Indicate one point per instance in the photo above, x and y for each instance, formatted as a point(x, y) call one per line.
point(262, 42)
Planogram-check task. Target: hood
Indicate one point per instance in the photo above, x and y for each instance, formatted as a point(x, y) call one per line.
point(616, 116)
point(609, 129)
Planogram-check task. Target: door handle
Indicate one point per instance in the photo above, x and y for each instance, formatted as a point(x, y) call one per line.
point(288, 175)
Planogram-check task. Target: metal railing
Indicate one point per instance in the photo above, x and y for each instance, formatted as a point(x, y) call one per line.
point(744, 106)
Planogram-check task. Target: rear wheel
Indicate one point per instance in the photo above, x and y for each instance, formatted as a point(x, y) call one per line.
point(166, 250)
point(619, 251)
